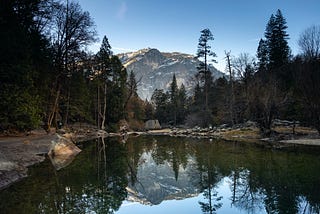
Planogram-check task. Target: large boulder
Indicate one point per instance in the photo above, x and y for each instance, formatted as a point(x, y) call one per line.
point(62, 152)
point(152, 124)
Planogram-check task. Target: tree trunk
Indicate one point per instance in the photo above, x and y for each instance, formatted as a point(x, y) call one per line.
point(232, 116)
point(104, 107)
point(54, 110)
point(68, 105)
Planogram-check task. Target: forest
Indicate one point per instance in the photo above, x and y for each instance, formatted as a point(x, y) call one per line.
point(49, 79)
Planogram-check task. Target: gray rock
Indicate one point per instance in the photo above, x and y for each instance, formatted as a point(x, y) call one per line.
point(62, 152)
point(152, 124)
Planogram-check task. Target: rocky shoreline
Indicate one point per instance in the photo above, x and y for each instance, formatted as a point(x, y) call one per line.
point(19, 152)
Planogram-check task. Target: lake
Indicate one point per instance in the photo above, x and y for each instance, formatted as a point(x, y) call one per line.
point(160, 174)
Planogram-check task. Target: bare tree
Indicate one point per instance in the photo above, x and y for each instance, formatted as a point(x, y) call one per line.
point(71, 30)
point(309, 42)
point(241, 63)
point(231, 103)
point(264, 100)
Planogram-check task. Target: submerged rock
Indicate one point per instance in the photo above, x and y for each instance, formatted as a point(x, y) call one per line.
point(62, 152)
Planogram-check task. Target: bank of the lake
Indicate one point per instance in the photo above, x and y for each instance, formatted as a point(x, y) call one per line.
point(17, 153)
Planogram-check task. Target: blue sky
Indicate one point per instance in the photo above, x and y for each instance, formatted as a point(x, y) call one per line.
point(175, 25)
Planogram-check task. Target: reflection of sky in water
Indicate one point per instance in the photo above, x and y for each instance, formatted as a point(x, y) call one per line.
point(188, 205)
point(249, 180)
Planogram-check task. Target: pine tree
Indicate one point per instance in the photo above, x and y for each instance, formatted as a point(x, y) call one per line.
point(105, 49)
point(262, 55)
point(204, 52)
point(174, 98)
point(182, 104)
point(118, 91)
point(276, 41)
point(103, 69)
point(132, 85)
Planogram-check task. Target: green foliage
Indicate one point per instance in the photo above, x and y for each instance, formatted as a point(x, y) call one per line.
point(278, 51)
point(80, 99)
point(204, 52)
point(160, 100)
point(22, 56)
point(170, 107)
point(19, 108)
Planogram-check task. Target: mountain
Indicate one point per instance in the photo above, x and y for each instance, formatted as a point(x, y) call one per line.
point(157, 182)
point(155, 69)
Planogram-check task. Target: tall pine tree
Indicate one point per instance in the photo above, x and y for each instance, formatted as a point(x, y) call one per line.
point(204, 52)
point(262, 55)
point(174, 98)
point(103, 73)
point(278, 51)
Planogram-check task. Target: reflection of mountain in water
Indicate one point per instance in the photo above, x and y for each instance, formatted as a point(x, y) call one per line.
point(156, 183)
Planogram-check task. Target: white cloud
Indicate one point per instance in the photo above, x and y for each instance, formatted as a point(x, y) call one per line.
point(121, 14)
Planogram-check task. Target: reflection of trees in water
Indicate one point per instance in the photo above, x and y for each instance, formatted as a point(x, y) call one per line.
point(95, 182)
point(208, 183)
point(245, 195)
point(275, 182)
point(279, 182)
point(306, 207)
point(209, 177)
point(259, 179)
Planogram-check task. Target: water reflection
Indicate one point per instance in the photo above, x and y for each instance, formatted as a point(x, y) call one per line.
point(216, 176)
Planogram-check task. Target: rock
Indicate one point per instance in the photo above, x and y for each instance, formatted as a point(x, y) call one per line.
point(7, 165)
point(62, 152)
point(70, 136)
point(152, 124)
point(102, 133)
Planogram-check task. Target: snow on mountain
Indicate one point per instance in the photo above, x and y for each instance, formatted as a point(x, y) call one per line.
point(157, 182)
point(155, 69)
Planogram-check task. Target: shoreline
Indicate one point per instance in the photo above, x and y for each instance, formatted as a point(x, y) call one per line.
point(17, 153)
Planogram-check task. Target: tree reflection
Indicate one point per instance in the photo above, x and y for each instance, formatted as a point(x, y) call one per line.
point(96, 181)
point(173, 151)
point(244, 194)
point(211, 195)
point(209, 177)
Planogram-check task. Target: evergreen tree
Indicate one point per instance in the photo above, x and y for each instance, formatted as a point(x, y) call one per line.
point(103, 73)
point(118, 91)
point(160, 100)
point(132, 87)
point(204, 52)
point(105, 49)
point(181, 104)
point(24, 60)
point(174, 98)
point(276, 39)
point(262, 55)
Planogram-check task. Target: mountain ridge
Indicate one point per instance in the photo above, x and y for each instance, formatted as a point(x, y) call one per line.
point(155, 69)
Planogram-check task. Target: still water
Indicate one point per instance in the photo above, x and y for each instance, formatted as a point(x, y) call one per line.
point(151, 174)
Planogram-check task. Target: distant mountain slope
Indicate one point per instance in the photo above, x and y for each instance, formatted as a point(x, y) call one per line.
point(156, 69)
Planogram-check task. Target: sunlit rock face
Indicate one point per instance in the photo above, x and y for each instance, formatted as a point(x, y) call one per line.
point(62, 152)
point(158, 182)
point(155, 69)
